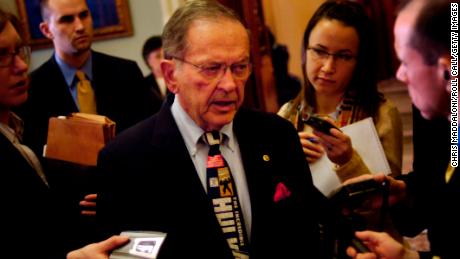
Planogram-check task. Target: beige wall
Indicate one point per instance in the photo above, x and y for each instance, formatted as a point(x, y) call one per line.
point(287, 19)
point(146, 17)
point(9, 5)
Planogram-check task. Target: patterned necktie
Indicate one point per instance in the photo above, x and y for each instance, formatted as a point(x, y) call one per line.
point(85, 94)
point(223, 195)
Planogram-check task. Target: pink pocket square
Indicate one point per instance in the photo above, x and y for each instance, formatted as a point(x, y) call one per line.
point(281, 193)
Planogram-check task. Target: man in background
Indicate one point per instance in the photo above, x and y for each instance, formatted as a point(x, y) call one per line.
point(114, 88)
point(119, 90)
point(31, 217)
point(423, 199)
point(152, 52)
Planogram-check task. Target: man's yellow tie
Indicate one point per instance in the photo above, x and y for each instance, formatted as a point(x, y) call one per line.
point(85, 94)
point(449, 172)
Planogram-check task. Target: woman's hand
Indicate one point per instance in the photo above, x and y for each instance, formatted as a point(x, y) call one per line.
point(311, 146)
point(337, 145)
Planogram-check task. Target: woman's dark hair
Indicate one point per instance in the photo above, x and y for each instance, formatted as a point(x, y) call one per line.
point(363, 85)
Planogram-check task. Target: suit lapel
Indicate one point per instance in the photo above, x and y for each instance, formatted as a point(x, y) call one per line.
point(194, 210)
point(167, 138)
point(258, 171)
point(59, 88)
point(14, 159)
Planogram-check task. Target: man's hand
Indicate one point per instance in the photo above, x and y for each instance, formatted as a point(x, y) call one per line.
point(88, 205)
point(397, 188)
point(381, 245)
point(99, 250)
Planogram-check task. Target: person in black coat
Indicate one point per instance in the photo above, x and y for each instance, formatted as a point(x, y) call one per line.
point(426, 198)
point(119, 90)
point(31, 214)
point(153, 175)
point(152, 52)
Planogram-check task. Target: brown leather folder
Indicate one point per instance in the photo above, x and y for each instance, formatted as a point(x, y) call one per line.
point(78, 138)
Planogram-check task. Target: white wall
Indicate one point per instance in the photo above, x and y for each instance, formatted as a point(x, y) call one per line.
point(147, 20)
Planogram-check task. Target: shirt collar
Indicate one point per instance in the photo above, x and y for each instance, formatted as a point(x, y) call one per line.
point(192, 133)
point(14, 128)
point(334, 115)
point(69, 71)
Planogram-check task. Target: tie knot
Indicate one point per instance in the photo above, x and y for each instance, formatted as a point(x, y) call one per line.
point(80, 75)
point(213, 137)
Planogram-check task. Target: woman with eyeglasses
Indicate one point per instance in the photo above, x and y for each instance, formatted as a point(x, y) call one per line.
point(340, 84)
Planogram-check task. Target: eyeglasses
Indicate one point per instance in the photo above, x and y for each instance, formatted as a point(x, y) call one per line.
point(322, 55)
point(6, 59)
point(215, 71)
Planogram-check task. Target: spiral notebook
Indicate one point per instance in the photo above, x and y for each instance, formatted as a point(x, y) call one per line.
point(366, 142)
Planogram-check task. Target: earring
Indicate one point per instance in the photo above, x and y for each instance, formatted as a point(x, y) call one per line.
point(446, 75)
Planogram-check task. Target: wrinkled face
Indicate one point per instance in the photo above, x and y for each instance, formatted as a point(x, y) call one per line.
point(69, 26)
point(427, 87)
point(154, 61)
point(331, 74)
point(13, 78)
point(212, 102)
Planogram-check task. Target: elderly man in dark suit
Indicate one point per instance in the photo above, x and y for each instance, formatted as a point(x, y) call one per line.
point(154, 175)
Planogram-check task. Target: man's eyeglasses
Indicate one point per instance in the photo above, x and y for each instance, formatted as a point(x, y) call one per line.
point(322, 55)
point(214, 71)
point(7, 58)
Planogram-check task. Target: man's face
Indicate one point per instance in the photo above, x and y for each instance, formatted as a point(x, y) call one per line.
point(154, 60)
point(212, 102)
point(426, 84)
point(13, 78)
point(69, 25)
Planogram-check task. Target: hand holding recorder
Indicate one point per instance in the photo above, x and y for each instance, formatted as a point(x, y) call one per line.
point(335, 143)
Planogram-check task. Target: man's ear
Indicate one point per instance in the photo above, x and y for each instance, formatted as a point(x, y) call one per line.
point(45, 29)
point(444, 69)
point(168, 67)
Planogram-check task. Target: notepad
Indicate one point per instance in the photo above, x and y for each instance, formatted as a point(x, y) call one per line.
point(366, 142)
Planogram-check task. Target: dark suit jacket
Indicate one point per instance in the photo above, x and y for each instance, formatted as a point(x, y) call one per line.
point(120, 93)
point(149, 182)
point(433, 203)
point(29, 215)
point(153, 85)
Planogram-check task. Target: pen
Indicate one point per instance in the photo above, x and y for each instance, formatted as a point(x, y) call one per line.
point(313, 140)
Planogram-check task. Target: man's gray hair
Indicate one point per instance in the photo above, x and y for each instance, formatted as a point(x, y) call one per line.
point(175, 31)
